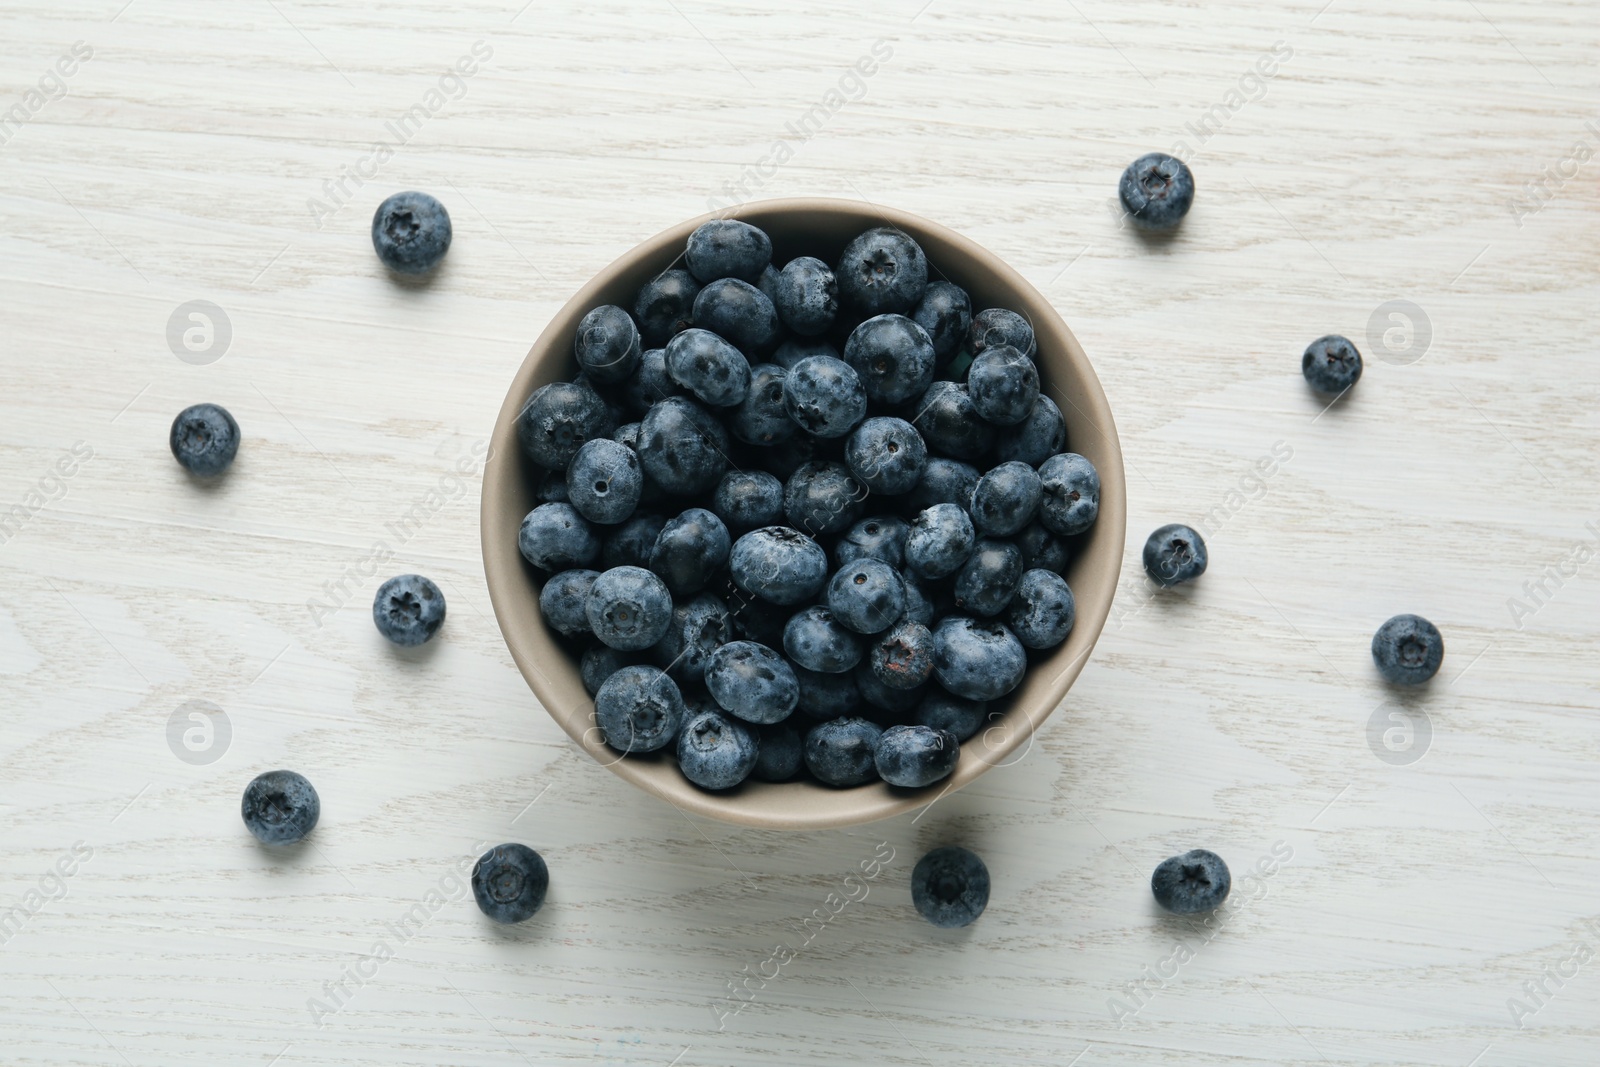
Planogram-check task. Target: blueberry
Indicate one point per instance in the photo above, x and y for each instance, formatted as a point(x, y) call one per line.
point(1006, 499)
point(204, 439)
point(651, 382)
point(715, 751)
point(411, 232)
point(946, 711)
point(945, 314)
point(879, 537)
point(780, 754)
point(604, 481)
point(280, 807)
point(1004, 385)
point(882, 271)
point(788, 456)
point(745, 500)
point(915, 756)
point(1408, 650)
point(509, 883)
point(1191, 883)
point(1036, 438)
point(1174, 554)
point(808, 296)
point(824, 396)
point(827, 696)
point(550, 487)
point(1156, 191)
point(751, 681)
point(665, 306)
point(556, 421)
point(839, 752)
point(638, 709)
point(822, 497)
point(778, 564)
point(1071, 499)
point(950, 424)
point(563, 601)
point(630, 544)
point(815, 640)
point(761, 417)
point(1043, 611)
point(408, 609)
point(708, 367)
point(682, 448)
point(1331, 364)
point(700, 625)
point(600, 662)
point(607, 344)
point(866, 596)
point(990, 577)
point(885, 704)
point(893, 356)
point(977, 660)
point(726, 248)
point(755, 619)
point(629, 608)
point(903, 657)
point(919, 598)
point(886, 455)
point(795, 349)
point(940, 541)
point(943, 481)
point(555, 537)
point(768, 283)
point(950, 886)
point(739, 312)
point(689, 551)
point(997, 327)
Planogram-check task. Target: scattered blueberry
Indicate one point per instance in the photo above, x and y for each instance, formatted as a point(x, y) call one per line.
point(509, 883)
point(604, 481)
point(877, 537)
point(808, 296)
point(977, 660)
point(778, 564)
point(651, 382)
point(204, 439)
point(709, 367)
point(761, 417)
point(840, 752)
point(1191, 883)
point(1036, 438)
point(726, 248)
point(557, 419)
point(638, 709)
point(752, 682)
point(822, 497)
point(990, 577)
point(915, 756)
point(893, 356)
point(280, 807)
point(903, 657)
point(1042, 613)
point(940, 541)
point(411, 232)
point(1004, 385)
point(824, 396)
point(630, 544)
point(746, 500)
point(815, 640)
point(665, 306)
point(1408, 650)
point(607, 344)
point(887, 455)
point(1331, 364)
point(950, 424)
point(739, 312)
point(1156, 190)
point(1006, 499)
point(564, 601)
point(555, 537)
point(629, 608)
point(943, 481)
point(945, 315)
point(682, 448)
point(998, 327)
point(882, 271)
point(950, 886)
point(715, 751)
point(408, 609)
point(700, 625)
point(1174, 554)
point(690, 549)
point(866, 596)
point(1071, 499)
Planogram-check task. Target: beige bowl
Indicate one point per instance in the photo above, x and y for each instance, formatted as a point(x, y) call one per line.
point(817, 227)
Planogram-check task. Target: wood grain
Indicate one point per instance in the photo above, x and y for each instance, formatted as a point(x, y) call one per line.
point(1387, 157)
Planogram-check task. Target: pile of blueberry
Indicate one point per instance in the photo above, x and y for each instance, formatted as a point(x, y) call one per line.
point(813, 518)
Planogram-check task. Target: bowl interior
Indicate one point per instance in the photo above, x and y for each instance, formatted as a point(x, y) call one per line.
point(821, 228)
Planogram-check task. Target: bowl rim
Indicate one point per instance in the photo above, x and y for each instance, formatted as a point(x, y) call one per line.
point(1020, 723)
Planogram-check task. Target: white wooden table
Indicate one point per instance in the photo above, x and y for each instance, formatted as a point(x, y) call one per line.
point(1433, 907)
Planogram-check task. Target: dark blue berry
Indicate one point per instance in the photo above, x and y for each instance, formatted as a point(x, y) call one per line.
point(808, 296)
point(839, 752)
point(682, 448)
point(1194, 882)
point(945, 314)
point(822, 497)
point(915, 756)
point(1331, 364)
point(1006, 499)
point(1036, 438)
point(893, 356)
point(689, 550)
point(700, 625)
point(629, 608)
point(761, 417)
point(665, 306)
point(1156, 191)
point(1174, 554)
point(746, 500)
point(886, 455)
point(795, 349)
point(1071, 498)
point(781, 753)
point(607, 344)
point(788, 456)
point(204, 439)
point(600, 662)
point(280, 807)
point(940, 541)
point(919, 598)
point(977, 660)
point(739, 312)
point(1043, 611)
point(563, 601)
point(824, 396)
point(638, 709)
point(1408, 650)
point(903, 657)
point(778, 564)
point(943, 481)
point(604, 481)
point(884, 703)
point(866, 596)
point(651, 382)
point(408, 609)
point(768, 284)
point(882, 271)
point(946, 711)
point(878, 537)
point(1004, 385)
point(550, 487)
point(827, 696)
point(998, 327)
point(727, 248)
point(411, 232)
point(556, 421)
point(509, 883)
point(751, 681)
point(715, 751)
point(630, 544)
point(554, 537)
point(950, 886)
point(990, 577)
point(815, 640)
point(950, 424)
point(708, 367)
